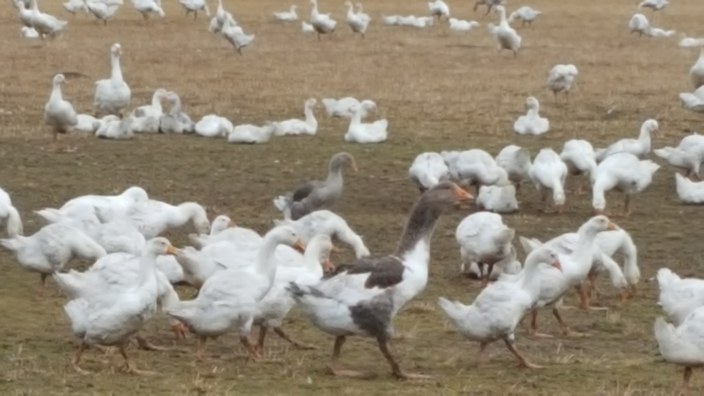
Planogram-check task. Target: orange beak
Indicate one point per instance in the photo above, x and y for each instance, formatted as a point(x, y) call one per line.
point(335, 249)
point(557, 264)
point(354, 166)
point(171, 250)
point(300, 246)
point(180, 331)
point(612, 226)
point(462, 195)
point(231, 224)
point(328, 266)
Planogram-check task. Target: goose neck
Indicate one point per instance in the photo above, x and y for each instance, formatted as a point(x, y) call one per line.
point(115, 66)
point(419, 228)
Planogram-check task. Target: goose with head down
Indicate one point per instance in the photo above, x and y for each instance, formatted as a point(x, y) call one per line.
point(364, 297)
point(624, 172)
point(10, 215)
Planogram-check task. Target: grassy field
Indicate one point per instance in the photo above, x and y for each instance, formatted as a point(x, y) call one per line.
point(439, 90)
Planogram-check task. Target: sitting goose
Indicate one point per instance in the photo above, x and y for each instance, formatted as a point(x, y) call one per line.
point(364, 133)
point(655, 5)
point(689, 191)
point(287, 16)
point(295, 126)
point(364, 297)
point(59, 113)
point(251, 134)
point(154, 109)
point(692, 100)
point(639, 24)
point(316, 194)
point(531, 123)
point(175, 121)
point(112, 95)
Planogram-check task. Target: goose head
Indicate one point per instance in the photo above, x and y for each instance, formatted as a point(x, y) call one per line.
point(311, 103)
point(116, 50)
point(220, 223)
point(160, 246)
point(135, 194)
point(343, 158)
point(319, 249)
point(445, 194)
point(58, 80)
point(598, 224)
point(286, 234)
point(532, 103)
point(650, 126)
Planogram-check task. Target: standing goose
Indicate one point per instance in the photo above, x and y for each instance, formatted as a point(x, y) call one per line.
point(515, 160)
point(234, 34)
point(549, 173)
point(45, 24)
point(317, 194)
point(146, 7)
point(682, 345)
point(697, 70)
point(439, 9)
point(624, 172)
point(112, 95)
point(484, 239)
point(10, 215)
point(427, 170)
point(59, 113)
point(560, 79)
point(578, 155)
point(364, 297)
point(194, 6)
point(506, 37)
point(322, 23)
point(357, 22)
point(488, 3)
point(103, 9)
point(154, 109)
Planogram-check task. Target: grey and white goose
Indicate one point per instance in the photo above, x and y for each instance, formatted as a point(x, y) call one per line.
point(364, 297)
point(316, 194)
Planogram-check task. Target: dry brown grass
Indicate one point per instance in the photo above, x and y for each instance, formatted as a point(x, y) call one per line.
point(439, 90)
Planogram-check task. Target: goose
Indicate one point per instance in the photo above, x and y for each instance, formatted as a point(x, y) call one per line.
point(488, 3)
point(121, 129)
point(693, 101)
point(25, 13)
point(575, 269)
point(549, 173)
point(390, 20)
point(526, 14)
point(154, 109)
point(578, 155)
point(364, 133)
point(10, 215)
point(273, 308)
point(294, 126)
point(229, 301)
point(59, 114)
point(213, 125)
point(688, 155)
point(689, 42)
point(500, 307)
point(474, 167)
point(325, 222)
point(560, 79)
point(655, 5)
point(515, 160)
point(322, 23)
point(45, 24)
point(49, 249)
point(307, 27)
point(639, 147)
point(689, 191)
point(193, 6)
point(638, 24)
point(113, 95)
point(220, 223)
point(251, 134)
point(236, 235)
point(484, 239)
point(658, 32)
point(622, 171)
point(86, 123)
point(28, 32)
point(682, 345)
point(358, 23)
point(531, 123)
point(497, 199)
point(696, 72)
point(74, 6)
point(316, 194)
point(506, 37)
point(427, 170)
point(509, 265)
point(112, 315)
point(103, 9)
point(234, 34)
point(344, 107)
point(678, 297)
point(439, 9)
point(147, 7)
point(417, 22)
point(152, 217)
point(110, 207)
point(460, 25)
point(364, 297)
point(175, 121)
point(287, 16)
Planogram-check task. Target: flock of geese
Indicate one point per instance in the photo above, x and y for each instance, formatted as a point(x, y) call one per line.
point(245, 279)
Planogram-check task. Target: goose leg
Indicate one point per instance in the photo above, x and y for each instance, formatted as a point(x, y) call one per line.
point(481, 357)
point(252, 350)
point(685, 380)
point(533, 331)
point(200, 349)
point(593, 294)
point(627, 206)
point(524, 362)
point(335, 367)
point(148, 346)
point(565, 329)
point(487, 274)
point(396, 369)
point(77, 359)
point(583, 297)
point(280, 332)
point(262, 336)
point(129, 366)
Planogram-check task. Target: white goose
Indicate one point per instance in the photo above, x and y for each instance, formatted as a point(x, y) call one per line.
point(10, 215)
point(688, 155)
point(655, 5)
point(287, 16)
point(359, 132)
point(343, 108)
point(531, 123)
point(59, 114)
point(549, 173)
point(103, 9)
point(689, 191)
point(639, 24)
point(497, 199)
point(459, 25)
point(213, 125)
point(639, 147)
point(175, 121)
point(251, 134)
point(235, 35)
point(474, 167)
point(294, 126)
point(86, 123)
point(113, 95)
point(358, 23)
point(578, 155)
point(73, 6)
point(229, 301)
point(692, 100)
point(147, 7)
point(29, 32)
point(120, 129)
point(154, 109)
point(561, 78)
point(50, 248)
point(193, 6)
point(516, 161)
point(109, 207)
point(678, 296)
point(484, 239)
point(439, 9)
point(152, 217)
point(427, 170)
point(322, 23)
point(45, 24)
point(307, 27)
point(526, 14)
point(682, 345)
point(622, 171)
point(696, 72)
point(505, 36)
